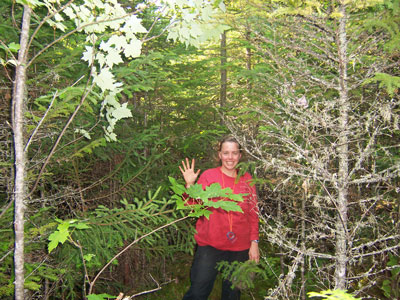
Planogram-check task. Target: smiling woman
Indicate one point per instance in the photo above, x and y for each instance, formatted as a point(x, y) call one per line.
point(224, 236)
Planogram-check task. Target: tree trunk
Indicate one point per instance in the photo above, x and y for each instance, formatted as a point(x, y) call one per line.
point(248, 57)
point(303, 241)
point(343, 155)
point(19, 95)
point(224, 76)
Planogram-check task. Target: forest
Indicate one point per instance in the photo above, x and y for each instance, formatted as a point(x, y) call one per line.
point(101, 100)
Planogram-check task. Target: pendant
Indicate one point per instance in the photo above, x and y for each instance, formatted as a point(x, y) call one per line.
point(231, 236)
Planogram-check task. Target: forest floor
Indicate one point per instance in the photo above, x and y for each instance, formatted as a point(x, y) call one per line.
point(177, 288)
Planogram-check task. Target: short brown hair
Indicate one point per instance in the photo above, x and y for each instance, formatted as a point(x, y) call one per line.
point(230, 139)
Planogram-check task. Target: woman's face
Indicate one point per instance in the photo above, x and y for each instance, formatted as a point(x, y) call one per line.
point(229, 156)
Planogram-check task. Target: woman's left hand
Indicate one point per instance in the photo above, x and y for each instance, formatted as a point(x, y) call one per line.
point(254, 252)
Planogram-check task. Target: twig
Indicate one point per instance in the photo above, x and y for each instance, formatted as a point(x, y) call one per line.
point(159, 287)
point(77, 244)
point(120, 296)
point(40, 122)
point(7, 207)
point(7, 254)
point(33, 271)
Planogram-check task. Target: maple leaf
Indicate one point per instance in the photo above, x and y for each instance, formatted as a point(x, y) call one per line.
point(122, 112)
point(58, 236)
point(88, 55)
point(113, 57)
point(134, 24)
point(133, 49)
point(105, 80)
point(118, 40)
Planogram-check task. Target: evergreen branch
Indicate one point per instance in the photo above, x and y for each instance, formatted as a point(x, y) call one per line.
point(122, 187)
point(71, 118)
point(130, 245)
point(127, 212)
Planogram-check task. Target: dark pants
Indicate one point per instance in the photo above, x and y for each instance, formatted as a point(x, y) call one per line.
point(204, 272)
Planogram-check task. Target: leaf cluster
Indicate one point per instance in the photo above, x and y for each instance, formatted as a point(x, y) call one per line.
point(213, 196)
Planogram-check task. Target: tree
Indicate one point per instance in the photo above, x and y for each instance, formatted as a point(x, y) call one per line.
point(319, 132)
point(92, 18)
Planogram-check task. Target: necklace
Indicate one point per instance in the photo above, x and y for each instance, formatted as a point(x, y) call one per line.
point(230, 234)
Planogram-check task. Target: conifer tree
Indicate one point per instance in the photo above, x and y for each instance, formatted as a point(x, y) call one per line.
point(319, 128)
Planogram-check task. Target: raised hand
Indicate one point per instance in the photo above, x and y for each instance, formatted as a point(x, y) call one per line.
point(188, 172)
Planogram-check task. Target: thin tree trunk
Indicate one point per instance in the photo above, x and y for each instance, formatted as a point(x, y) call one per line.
point(248, 58)
point(303, 241)
point(343, 155)
point(224, 76)
point(279, 217)
point(19, 95)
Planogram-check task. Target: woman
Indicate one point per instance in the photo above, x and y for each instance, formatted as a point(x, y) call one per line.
point(225, 236)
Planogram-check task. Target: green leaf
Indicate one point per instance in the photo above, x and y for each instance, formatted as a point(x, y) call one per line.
point(30, 3)
point(200, 213)
point(99, 296)
point(225, 205)
point(31, 285)
point(177, 188)
point(88, 55)
point(196, 191)
point(101, 142)
point(14, 47)
point(83, 132)
point(81, 226)
point(59, 236)
point(88, 257)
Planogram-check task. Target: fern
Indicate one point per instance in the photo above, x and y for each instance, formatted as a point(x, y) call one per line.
point(241, 274)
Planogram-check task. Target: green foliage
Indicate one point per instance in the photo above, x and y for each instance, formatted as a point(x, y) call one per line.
point(63, 232)
point(172, 93)
point(37, 271)
point(389, 286)
point(31, 3)
point(241, 274)
point(108, 230)
point(205, 198)
point(390, 83)
point(333, 295)
point(99, 297)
